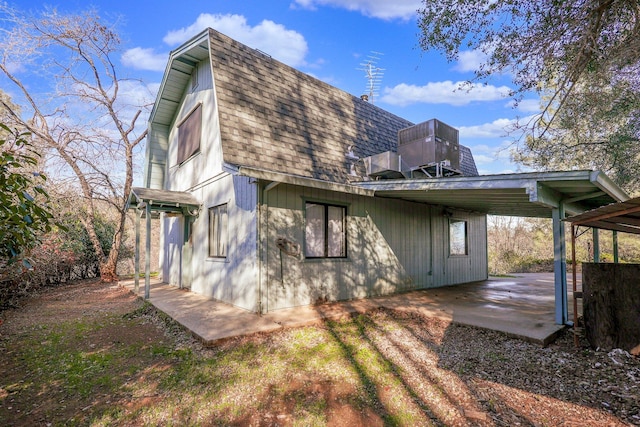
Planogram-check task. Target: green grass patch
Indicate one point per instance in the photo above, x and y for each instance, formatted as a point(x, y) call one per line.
point(297, 374)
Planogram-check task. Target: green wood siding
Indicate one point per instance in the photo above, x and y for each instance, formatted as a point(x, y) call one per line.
point(392, 246)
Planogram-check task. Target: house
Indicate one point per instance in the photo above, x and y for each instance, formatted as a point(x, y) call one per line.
point(278, 190)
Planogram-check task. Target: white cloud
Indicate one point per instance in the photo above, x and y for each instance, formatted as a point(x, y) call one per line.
point(494, 159)
point(483, 159)
point(383, 9)
point(470, 60)
point(144, 59)
point(496, 129)
point(446, 92)
point(527, 105)
point(137, 94)
point(285, 45)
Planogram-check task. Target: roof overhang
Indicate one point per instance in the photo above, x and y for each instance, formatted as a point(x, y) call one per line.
point(623, 216)
point(533, 194)
point(285, 178)
point(177, 75)
point(176, 202)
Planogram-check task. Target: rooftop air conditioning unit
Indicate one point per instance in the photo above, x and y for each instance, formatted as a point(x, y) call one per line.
point(429, 143)
point(384, 165)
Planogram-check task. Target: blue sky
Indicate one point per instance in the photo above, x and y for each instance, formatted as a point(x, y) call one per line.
point(329, 39)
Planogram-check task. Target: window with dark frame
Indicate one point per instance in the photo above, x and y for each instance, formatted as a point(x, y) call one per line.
point(189, 132)
point(325, 231)
point(218, 231)
point(458, 241)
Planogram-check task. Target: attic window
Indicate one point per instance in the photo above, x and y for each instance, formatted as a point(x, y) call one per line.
point(189, 134)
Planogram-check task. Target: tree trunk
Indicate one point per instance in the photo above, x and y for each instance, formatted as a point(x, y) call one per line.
point(108, 269)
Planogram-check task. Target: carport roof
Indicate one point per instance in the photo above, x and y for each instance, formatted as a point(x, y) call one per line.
point(524, 194)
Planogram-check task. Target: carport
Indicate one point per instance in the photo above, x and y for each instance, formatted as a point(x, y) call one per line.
point(537, 195)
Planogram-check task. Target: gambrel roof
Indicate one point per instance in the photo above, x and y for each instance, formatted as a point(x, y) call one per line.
point(276, 118)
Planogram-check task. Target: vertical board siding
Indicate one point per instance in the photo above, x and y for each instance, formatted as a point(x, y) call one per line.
point(156, 155)
point(233, 279)
point(392, 246)
point(207, 163)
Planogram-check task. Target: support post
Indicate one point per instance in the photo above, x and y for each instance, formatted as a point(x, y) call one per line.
point(574, 276)
point(596, 245)
point(136, 267)
point(560, 265)
point(147, 263)
point(187, 277)
point(615, 247)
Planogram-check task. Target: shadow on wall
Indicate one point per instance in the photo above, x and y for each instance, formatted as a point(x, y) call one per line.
point(371, 267)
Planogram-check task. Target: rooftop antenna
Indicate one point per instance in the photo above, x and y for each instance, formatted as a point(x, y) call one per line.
point(373, 74)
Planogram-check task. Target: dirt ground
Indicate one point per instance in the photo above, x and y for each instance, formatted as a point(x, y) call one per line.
point(479, 377)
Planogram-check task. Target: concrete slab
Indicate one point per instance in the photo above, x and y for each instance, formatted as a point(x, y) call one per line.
point(521, 307)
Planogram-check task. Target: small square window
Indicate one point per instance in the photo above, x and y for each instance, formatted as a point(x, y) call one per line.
point(218, 231)
point(458, 237)
point(325, 232)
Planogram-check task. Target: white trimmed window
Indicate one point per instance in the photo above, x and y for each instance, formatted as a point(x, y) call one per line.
point(218, 231)
point(325, 231)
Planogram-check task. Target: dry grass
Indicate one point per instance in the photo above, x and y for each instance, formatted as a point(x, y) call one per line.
point(91, 354)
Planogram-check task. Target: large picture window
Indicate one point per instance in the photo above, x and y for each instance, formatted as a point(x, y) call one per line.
point(218, 231)
point(325, 232)
point(458, 237)
point(189, 134)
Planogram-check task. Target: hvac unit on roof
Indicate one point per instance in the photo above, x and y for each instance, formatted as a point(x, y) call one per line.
point(383, 165)
point(429, 143)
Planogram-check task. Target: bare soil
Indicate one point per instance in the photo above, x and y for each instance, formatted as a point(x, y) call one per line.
point(438, 373)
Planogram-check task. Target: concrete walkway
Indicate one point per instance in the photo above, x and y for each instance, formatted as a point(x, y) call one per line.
point(521, 307)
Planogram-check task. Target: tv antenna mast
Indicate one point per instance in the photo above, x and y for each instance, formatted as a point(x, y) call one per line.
point(373, 74)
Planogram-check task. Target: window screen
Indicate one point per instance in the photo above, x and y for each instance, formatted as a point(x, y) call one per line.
point(218, 231)
point(189, 135)
point(458, 237)
point(325, 232)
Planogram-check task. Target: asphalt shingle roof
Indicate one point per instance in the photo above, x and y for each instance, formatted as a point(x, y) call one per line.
point(277, 118)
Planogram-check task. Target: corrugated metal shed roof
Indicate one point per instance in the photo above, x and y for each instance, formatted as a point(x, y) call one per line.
point(165, 200)
point(622, 216)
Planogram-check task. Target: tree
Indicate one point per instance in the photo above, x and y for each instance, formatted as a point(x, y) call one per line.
point(582, 56)
point(24, 215)
point(78, 108)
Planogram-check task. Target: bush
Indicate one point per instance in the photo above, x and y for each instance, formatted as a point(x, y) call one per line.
point(63, 255)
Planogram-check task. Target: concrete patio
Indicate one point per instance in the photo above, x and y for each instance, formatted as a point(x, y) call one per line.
point(521, 307)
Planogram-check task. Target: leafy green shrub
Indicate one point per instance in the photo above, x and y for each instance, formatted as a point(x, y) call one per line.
point(24, 215)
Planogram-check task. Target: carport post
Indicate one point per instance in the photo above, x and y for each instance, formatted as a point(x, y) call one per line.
point(615, 247)
point(147, 261)
point(560, 264)
point(596, 245)
point(136, 267)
